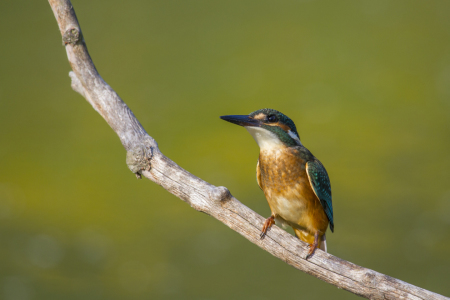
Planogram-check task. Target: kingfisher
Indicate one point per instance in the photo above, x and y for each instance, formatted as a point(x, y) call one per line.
point(294, 181)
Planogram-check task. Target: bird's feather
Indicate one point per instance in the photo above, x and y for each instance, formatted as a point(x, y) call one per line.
point(318, 178)
point(258, 175)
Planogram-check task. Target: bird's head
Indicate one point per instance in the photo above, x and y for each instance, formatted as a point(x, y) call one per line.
point(269, 127)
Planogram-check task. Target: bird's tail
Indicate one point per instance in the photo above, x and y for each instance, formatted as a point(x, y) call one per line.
point(323, 243)
point(309, 238)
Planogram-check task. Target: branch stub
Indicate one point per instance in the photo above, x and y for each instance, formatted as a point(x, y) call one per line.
point(219, 194)
point(72, 36)
point(139, 158)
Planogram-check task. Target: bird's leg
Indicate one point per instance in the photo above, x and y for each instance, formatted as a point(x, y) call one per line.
point(313, 246)
point(267, 224)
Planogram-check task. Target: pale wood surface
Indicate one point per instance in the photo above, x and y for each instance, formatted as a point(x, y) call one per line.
point(144, 158)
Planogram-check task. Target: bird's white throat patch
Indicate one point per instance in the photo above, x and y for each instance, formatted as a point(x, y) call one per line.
point(264, 138)
point(267, 139)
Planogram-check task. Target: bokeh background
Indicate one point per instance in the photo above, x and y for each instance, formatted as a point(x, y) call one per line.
point(367, 83)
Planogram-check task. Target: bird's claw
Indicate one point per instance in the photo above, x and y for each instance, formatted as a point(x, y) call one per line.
point(312, 247)
point(267, 224)
point(311, 251)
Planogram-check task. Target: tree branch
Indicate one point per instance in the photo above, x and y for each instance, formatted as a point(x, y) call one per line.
point(144, 158)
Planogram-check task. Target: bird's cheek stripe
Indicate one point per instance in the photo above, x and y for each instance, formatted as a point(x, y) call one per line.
point(282, 126)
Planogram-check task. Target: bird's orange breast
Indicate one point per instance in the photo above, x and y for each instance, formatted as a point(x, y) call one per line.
point(282, 176)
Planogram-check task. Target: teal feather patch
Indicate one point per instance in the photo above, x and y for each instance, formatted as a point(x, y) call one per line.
point(320, 182)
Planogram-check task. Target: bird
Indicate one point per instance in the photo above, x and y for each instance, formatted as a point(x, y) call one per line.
point(295, 183)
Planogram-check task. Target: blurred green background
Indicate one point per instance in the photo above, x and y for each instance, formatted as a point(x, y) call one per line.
point(367, 83)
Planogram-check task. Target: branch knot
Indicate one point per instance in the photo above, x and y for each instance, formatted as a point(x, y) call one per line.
point(72, 36)
point(138, 159)
point(219, 194)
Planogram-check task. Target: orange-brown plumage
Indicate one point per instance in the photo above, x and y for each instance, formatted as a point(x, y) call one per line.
point(281, 174)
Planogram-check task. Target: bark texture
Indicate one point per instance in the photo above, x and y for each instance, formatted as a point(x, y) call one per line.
point(145, 159)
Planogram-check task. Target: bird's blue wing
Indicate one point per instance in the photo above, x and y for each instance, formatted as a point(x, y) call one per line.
point(318, 178)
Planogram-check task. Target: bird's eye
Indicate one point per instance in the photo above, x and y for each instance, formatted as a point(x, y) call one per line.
point(272, 118)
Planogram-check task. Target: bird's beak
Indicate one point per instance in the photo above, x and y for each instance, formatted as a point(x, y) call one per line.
point(241, 120)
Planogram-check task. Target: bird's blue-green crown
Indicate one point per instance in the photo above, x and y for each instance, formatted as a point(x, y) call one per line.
point(278, 123)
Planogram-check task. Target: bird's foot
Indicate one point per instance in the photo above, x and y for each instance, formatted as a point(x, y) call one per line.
point(312, 247)
point(311, 251)
point(267, 224)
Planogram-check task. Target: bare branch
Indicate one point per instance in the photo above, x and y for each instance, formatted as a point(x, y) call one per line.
point(144, 158)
